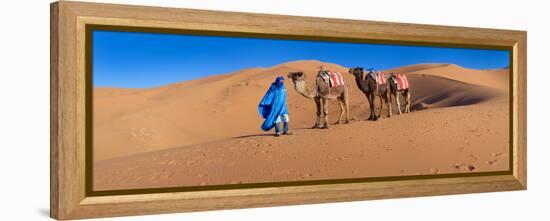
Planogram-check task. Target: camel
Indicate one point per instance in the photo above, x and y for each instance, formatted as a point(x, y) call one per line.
point(371, 89)
point(321, 92)
point(406, 93)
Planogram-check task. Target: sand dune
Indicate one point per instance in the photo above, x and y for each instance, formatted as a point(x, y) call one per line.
point(206, 131)
point(437, 141)
point(417, 67)
point(495, 78)
point(130, 121)
point(444, 92)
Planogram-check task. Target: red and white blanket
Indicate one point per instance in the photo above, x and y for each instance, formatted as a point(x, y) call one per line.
point(380, 78)
point(336, 79)
point(402, 81)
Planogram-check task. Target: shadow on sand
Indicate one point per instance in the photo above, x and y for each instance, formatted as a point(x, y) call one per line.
point(256, 135)
point(272, 133)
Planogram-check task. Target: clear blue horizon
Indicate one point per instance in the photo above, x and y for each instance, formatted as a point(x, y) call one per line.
point(145, 60)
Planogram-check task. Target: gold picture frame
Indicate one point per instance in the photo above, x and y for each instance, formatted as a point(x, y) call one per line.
point(70, 195)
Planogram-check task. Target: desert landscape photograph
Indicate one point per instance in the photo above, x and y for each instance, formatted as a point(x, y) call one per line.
point(174, 110)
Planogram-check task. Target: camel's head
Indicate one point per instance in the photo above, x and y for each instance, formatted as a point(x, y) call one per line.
point(297, 76)
point(357, 72)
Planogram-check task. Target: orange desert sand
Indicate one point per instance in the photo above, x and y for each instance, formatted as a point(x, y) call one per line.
point(207, 131)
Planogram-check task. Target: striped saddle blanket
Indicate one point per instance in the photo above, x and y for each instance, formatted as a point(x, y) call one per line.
point(378, 76)
point(334, 78)
point(402, 81)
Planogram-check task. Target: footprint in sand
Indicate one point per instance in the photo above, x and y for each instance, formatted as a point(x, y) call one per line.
point(433, 171)
point(342, 158)
point(473, 156)
point(459, 166)
point(463, 166)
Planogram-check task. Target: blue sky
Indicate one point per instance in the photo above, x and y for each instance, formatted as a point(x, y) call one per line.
point(144, 60)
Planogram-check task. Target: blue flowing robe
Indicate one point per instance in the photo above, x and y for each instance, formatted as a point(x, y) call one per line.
point(273, 105)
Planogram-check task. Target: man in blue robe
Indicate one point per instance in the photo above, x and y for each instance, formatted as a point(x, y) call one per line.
point(273, 108)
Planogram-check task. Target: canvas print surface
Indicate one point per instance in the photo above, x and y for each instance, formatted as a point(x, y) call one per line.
point(176, 110)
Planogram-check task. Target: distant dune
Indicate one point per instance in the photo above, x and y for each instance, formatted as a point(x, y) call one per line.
point(496, 78)
point(170, 135)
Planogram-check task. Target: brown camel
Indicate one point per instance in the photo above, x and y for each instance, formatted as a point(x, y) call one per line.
point(371, 89)
point(321, 92)
point(406, 93)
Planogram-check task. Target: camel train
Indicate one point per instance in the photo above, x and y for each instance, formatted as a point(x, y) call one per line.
point(330, 85)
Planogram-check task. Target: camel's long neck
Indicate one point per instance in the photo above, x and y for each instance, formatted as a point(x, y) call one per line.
point(303, 89)
point(361, 82)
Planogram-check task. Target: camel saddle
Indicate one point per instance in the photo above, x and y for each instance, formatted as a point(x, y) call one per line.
point(402, 82)
point(333, 78)
point(378, 76)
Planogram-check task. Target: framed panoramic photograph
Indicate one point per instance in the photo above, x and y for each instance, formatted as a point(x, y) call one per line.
point(158, 110)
